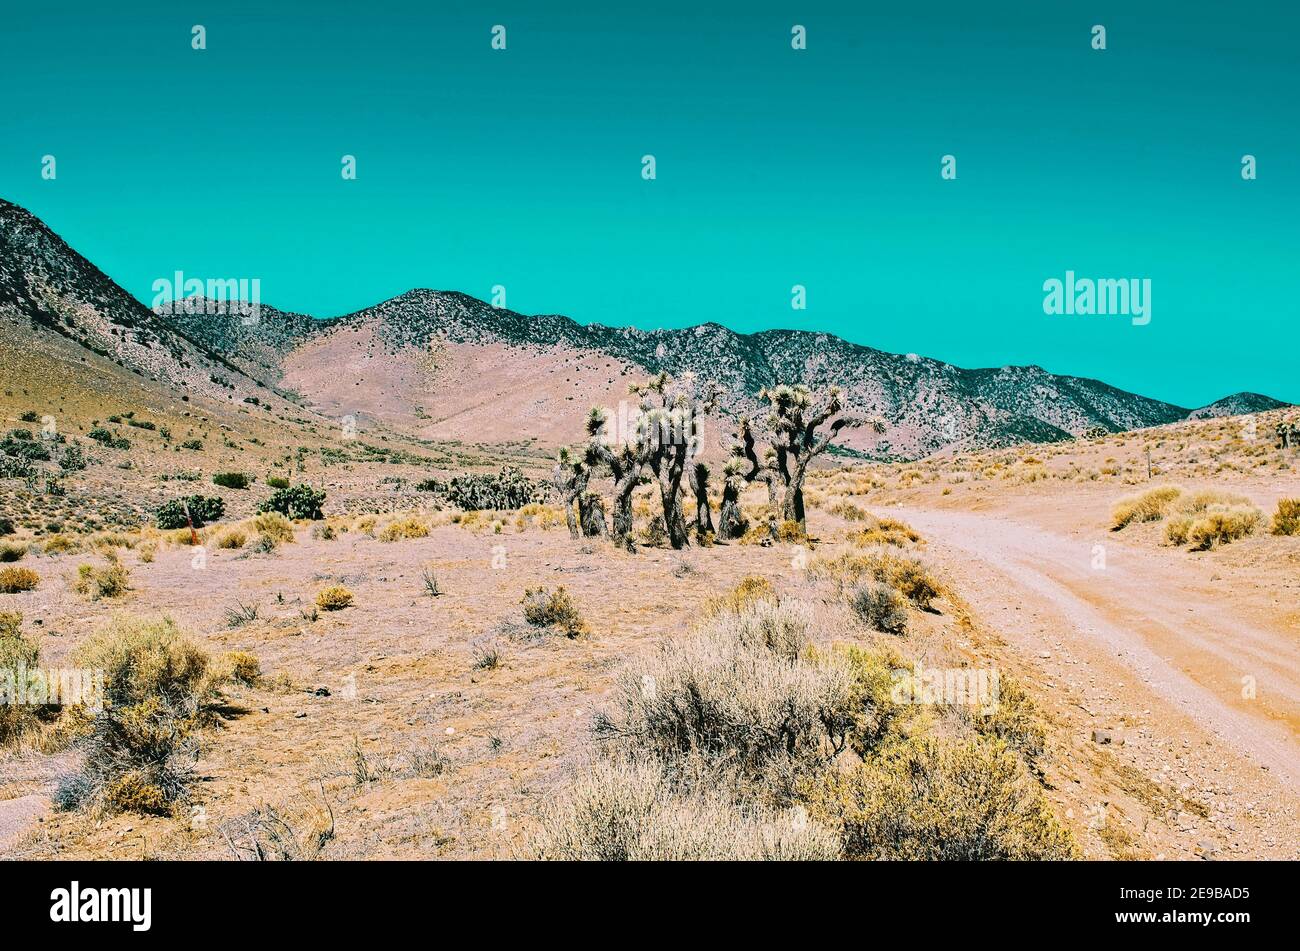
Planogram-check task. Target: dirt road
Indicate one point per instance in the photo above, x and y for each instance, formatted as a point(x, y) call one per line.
point(1138, 638)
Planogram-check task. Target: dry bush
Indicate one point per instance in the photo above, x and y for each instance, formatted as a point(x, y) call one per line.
point(17, 580)
point(741, 690)
point(403, 528)
point(334, 598)
point(885, 531)
point(274, 525)
point(232, 538)
point(1221, 524)
point(881, 607)
point(631, 812)
point(936, 799)
point(1149, 506)
point(141, 749)
point(546, 608)
point(110, 581)
point(878, 717)
point(147, 657)
point(12, 551)
point(60, 544)
point(18, 653)
point(908, 576)
point(147, 551)
point(1016, 720)
point(751, 590)
point(1286, 520)
point(241, 667)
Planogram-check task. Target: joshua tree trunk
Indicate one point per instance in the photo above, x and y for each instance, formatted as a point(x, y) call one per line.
point(670, 493)
point(731, 520)
point(591, 509)
point(622, 518)
point(703, 510)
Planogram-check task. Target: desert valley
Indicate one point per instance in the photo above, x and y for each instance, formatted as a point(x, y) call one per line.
point(383, 586)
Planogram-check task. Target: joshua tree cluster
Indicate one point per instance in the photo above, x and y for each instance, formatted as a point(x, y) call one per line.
point(662, 446)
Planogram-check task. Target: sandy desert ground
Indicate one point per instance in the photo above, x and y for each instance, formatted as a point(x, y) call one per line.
point(418, 726)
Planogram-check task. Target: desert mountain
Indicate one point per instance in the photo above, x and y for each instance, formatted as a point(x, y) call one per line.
point(445, 365)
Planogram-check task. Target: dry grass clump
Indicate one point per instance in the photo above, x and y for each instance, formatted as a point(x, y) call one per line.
point(334, 598)
point(908, 576)
point(60, 544)
point(141, 748)
point(1149, 506)
point(241, 667)
point(935, 799)
point(96, 583)
point(274, 526)
point(546, 608)
point(19, 655)
point(1016, 720)
point(18, 580)
point(741, 692)
point(881, 607)
point(633, 812)
point(885, 531)
point(232, 538)
point(12, 551)
point(1286, 520)
point(1217, 524)
point(751, 590)
point(403, 528)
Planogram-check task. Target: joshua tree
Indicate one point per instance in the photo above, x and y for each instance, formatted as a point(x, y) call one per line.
point(741, 469)
point(699, 476)
point(570, 477)
point(794, 421)
point(663, 444)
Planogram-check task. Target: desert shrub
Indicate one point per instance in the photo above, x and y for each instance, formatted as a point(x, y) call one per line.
point(334, 598)
point(1223, 524)
point(299, 502)
point(109, 581)
point(508, 489)
point(242, 614)
point(277, 482)
point(325, 532)
point(881, 607)
point(849, 512)
point(17, 580)
point(192, 444)
point(105, 438)
point(432, 586)
point(146, 551)
point(1178, 528)
point(631, 812)
point(139, 757)
point(1149, 506)
point(879, 716)
point(273, 525)
point(144, 658)
point(403, 528)
point(1286, 520)
point(725, 696)
point(1203, 500)
point(202, 508)
point(241, 667)
point(885, 531)
point(60, 544)
point(19, 655)
point(908, 576)
point(12, 551)
point(231, 538)
point(1016, 720)
point(751, 589)
point(487, 655)
point(231, 480)
point(264, 545)
point(935, 799)
point(6, 526)
point(31, 416)
point(546, 608)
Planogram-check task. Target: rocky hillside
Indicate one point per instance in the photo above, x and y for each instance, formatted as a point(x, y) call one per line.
point(445, 365)
point(50, 288)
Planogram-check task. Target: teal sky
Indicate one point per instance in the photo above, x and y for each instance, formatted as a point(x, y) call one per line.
point(775, 167)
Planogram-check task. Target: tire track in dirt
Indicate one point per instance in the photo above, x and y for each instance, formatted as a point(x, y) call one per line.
point(1181, 644)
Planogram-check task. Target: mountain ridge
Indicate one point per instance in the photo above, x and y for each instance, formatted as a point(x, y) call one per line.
point(428, 346)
